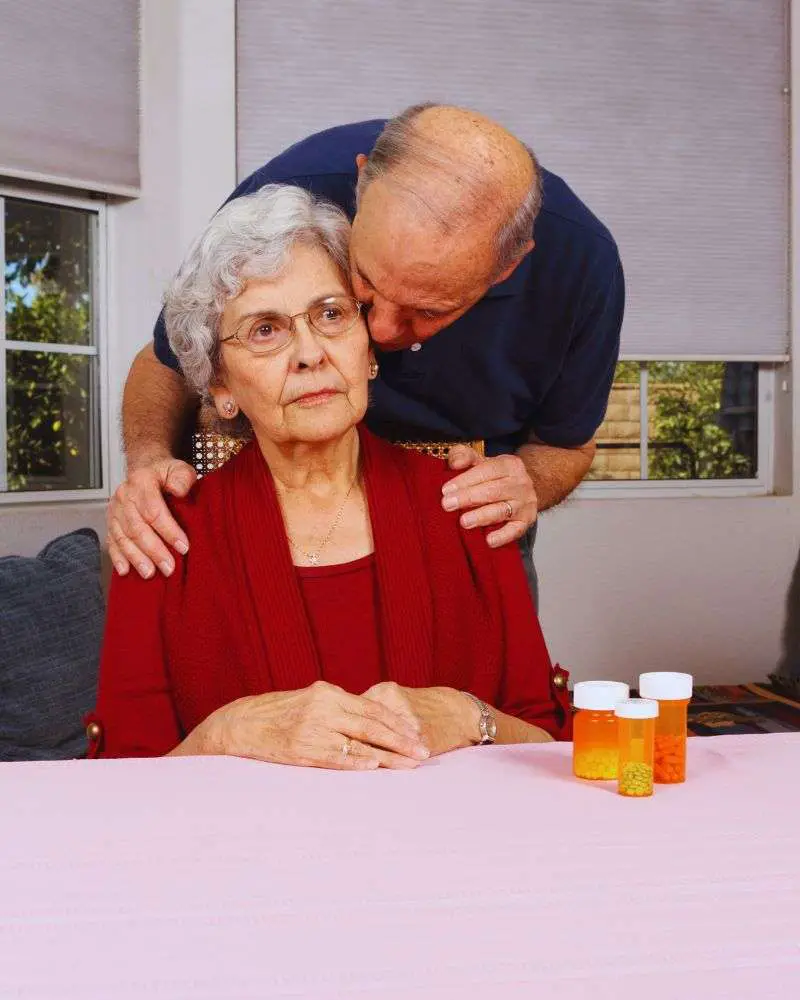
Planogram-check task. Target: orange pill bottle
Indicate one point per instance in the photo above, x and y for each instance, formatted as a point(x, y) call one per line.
point(594, 729)
point(636, 719)
point(673, 692)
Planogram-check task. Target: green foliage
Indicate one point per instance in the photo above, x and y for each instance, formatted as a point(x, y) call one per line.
point(48, 301)
point(627, 373)
point(48, 394)
point(687, 398)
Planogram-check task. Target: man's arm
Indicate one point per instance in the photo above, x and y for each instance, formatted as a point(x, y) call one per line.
point(155, 406)
point(555, 472)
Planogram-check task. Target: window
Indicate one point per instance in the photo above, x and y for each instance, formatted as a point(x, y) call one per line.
point(50, 377)
point(676, 421)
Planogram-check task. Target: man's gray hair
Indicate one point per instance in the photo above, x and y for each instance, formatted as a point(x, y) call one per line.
point(250, 237)
point(399, 145)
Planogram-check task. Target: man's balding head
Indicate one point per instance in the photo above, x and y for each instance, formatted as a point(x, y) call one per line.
point(446, 205)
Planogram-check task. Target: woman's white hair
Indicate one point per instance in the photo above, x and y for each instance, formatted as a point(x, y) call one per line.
point(250, 237)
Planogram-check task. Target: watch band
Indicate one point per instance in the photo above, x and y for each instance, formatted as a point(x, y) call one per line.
point(486, 724)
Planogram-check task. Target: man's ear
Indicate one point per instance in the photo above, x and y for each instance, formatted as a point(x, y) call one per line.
point(512, 267)
point(361, 159)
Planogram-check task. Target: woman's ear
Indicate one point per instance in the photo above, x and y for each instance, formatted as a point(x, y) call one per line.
point(224, 403)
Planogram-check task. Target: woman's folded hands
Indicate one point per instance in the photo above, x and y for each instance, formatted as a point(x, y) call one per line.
point(324, 726)
point(447, 719)
point(318, 726)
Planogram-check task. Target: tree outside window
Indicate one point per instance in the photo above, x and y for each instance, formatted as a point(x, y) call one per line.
point(50, 350)
point(702, 422)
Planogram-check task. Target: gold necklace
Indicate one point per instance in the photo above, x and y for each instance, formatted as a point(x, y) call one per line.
point(313, 557)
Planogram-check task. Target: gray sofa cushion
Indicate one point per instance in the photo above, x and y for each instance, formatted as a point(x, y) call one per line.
point(51, 626)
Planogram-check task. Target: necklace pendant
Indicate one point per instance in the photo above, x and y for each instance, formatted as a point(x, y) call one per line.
point(313, 558)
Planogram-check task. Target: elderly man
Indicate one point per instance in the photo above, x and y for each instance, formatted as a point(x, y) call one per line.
point(486, 327)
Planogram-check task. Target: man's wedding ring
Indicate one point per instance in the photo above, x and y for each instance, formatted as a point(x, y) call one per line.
point(509, 510)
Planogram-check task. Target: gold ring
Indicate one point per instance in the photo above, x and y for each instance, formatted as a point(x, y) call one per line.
point(509, 510)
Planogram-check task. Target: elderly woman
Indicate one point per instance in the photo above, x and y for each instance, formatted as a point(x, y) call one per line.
point(329, 612)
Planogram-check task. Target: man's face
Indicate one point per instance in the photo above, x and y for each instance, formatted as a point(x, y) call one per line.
point(415, 278)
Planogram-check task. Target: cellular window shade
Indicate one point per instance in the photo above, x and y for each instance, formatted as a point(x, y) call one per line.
point(667, 117)
point(69, 89)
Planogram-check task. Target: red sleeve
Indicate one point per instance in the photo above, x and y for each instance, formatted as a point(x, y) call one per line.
point(533, 689)
point(134, 716)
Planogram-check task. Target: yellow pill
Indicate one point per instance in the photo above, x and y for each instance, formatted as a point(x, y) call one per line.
point(598, 764)
point(636, 779)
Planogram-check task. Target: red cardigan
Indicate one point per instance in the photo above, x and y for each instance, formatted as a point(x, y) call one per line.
point(231, 620)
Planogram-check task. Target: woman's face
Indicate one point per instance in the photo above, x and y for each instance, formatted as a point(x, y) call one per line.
point(313, 389)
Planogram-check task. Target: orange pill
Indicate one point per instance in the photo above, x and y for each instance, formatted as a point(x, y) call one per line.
point(673, 692)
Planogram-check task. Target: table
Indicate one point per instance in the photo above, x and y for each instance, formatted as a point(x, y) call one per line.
point(489, 873)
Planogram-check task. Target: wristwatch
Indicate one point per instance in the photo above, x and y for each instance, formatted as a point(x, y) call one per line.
point(486, 724)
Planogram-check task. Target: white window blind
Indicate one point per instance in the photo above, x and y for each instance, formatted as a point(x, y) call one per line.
point(69, 93)
point(667, 117)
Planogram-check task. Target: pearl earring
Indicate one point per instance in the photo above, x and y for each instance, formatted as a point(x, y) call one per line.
point(229, 408)
point(373, 369)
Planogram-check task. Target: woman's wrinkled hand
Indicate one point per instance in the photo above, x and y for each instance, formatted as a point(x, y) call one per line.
point(317, 726)
point(448, 720)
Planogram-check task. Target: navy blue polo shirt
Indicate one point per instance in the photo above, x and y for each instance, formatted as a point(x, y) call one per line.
point(535, 356)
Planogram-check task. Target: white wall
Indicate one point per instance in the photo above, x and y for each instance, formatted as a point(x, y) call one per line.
point(696, 584)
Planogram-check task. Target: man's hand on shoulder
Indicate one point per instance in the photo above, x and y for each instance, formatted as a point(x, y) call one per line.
point(140, 526)
point(491, 491)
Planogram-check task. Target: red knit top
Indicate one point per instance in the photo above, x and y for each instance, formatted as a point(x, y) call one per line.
point(343, 616)
point(435, 606)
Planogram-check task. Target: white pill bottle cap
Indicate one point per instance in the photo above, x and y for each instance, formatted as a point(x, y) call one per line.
point(599, 696)
point(666, 686)
point(637, 708)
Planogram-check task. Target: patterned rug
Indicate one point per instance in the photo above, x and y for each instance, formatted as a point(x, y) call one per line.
point(743, 708)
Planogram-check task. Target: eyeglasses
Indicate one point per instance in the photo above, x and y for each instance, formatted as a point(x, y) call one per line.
point(271, 332)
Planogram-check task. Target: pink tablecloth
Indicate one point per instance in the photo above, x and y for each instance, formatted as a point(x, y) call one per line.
point(486, 874)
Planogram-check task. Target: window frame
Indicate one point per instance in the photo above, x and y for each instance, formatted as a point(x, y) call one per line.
point(98, 350)
point(761, 485)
